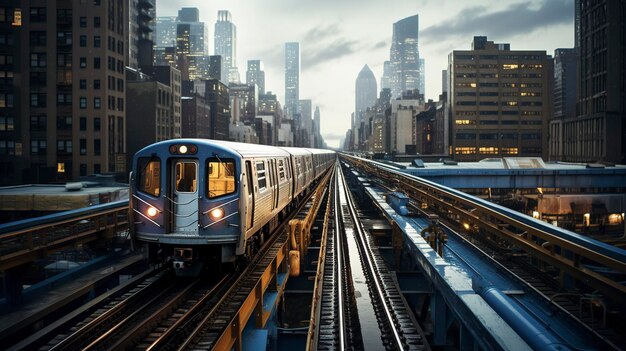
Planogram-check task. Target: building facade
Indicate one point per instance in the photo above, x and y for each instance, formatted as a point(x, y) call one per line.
point(366, 93)
point(62, 89)
point(404, 56)
point(598, 132)
point(256, 75)
point(292, 78)
point(500, 101)
point(226, 42)
point(564, 99)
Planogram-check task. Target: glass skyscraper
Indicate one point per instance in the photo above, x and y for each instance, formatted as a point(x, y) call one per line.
point(226, 42)
point(292, 77)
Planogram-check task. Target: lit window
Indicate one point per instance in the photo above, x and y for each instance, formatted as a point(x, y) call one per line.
point(510, 66)
point(489, 150)
point(60, 167)
point(465, 150)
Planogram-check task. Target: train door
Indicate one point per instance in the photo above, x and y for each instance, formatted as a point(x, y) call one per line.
point(276, 185)
point(185, 195)
point(250, 212)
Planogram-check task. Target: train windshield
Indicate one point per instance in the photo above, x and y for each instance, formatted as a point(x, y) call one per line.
point(220, 177)
point(149, 175)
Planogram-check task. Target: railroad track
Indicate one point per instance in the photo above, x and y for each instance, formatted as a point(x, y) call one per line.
point(398, 329)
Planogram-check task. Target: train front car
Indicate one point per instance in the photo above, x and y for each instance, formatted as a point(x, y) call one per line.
point(185, 203)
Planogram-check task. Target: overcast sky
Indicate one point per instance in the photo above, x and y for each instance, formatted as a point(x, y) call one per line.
point(338, 37)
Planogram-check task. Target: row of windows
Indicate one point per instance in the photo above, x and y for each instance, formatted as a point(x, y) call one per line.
point(505, 75)
point(495, 121)
point(493, 150)
point(6, 59)
point(495, 57)
point(40, 147)
point(496, 103)
point(500, 136)
point(505, 66)
point(495, 93)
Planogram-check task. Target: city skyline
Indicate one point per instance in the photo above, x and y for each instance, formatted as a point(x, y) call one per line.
point(337, 39)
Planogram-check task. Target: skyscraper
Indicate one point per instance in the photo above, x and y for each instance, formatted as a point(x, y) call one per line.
point(166, 31)
point(599, 130)
point(292, 78)
point(226, 42)
point(198, 31)
point(141, 33)
point(564, 98)
point(366, 92)
point(256, 75)
point(404, 56)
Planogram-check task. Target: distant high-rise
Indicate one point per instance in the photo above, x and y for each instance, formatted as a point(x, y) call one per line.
point(366, 92)
point(166, 31)
point(404, 56)
point(256, 75)
point(385, 81)
point(292, 77)
point(422, 76)
point(226, 42)
point(564, 98)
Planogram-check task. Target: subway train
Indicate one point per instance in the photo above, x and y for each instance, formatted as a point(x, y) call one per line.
point(199, 202)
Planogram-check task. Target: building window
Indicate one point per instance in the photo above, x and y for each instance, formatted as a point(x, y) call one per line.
point(38, 60)
point(96, 168)
point(96, 84)
point(6, 100)
point(82, 41)
point(83, 84)
point(37, 100)
point(120, 104)
point(64, 99)
point(96, 63)
point(488, 150)
point(37, 14)
point(96, 124)
point(96, 103)
point(64, 122)
point(465, 150)
point(83, 169)
point(83, 22)
point(64, 38)
point(38, 38)
point(38, 147)
point(83, 124)
point(64, 146)
point(83, 146)
point(38, 123)
point(7, 124)
point(60, 167)
point(64, 60)
point(83, 103)
point(7, 147)
point(96, 22)
point(96, 41)
point(96, 147)
point(83, 62)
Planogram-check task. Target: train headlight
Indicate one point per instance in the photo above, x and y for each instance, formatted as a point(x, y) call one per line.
point(216, 213)
point(182, 149)
point(152, 212)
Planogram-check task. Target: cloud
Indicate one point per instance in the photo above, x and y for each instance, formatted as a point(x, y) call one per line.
point(313, 56)
point(519, 18)
point(380, 45)
point(318, 34)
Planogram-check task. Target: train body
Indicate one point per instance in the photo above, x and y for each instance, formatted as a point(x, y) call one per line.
point(198, 201)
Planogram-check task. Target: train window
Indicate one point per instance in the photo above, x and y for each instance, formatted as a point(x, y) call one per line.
point(260, 175)
point(149, 176)
point(288, 167)
point(281, 169)
point(220, 177)
point(186, 177)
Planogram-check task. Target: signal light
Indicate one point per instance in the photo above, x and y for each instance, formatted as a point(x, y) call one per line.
point(216, 213)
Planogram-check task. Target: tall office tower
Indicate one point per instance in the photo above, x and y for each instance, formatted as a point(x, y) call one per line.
point(62, 105)
point(444, 81)
point(599, 130)
point(306, 123)
point(385, 80)
point(141, 38)
point(292, 78)
point(226, 42)
point(256, 75)
point(198, 31)
point(366, 93)
point(404, 56)
point(422, 76)
point(499, 101)
point(166, 31)
point(564, 98)
point(316, 128)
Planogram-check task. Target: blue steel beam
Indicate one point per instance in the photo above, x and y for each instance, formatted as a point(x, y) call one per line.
point(488, 329)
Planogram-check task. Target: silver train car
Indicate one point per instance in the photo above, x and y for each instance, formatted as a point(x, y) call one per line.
point(196, 201)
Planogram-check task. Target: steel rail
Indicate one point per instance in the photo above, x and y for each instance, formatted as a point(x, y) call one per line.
point(339, 260)
point(372, 267)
